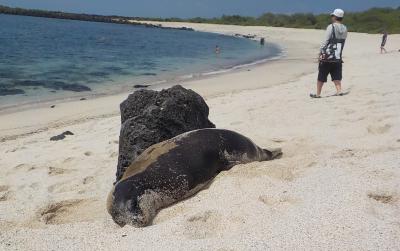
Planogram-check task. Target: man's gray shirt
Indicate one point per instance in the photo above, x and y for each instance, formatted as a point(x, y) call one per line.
point(340, 32)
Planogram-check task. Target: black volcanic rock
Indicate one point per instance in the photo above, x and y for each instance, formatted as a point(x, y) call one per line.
point(61, 136)
point(67, 87)
point(29, 83)
point(75, 88)
point(58, 137)
point(149, 117)
point(68, 133)
point(9, 91)
point(186, 29)
point(140, 86)
point(55, 85)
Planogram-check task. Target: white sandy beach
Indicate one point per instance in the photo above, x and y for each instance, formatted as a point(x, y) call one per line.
point(337, 186)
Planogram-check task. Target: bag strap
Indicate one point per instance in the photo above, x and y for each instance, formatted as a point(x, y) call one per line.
point(333, 32)
point(334, 39)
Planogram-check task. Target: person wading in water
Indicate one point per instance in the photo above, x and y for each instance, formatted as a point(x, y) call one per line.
point(330, 58)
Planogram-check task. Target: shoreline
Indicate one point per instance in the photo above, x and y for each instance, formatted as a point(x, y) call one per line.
point(161, 83)
point(69, 104)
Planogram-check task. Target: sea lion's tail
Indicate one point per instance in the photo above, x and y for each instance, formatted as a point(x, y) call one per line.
point(274, 153)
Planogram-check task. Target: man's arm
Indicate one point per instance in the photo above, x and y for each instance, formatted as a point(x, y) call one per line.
point(328, 36)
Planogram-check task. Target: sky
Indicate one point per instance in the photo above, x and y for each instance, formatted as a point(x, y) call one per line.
point(195, 8)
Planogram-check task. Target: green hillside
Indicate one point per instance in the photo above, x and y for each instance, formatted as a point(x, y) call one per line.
point(371, 21)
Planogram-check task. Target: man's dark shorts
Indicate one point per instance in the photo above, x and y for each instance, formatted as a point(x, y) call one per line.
point(332, 68)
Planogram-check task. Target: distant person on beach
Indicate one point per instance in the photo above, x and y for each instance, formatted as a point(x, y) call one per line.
point(384, 40)
point(262, 41)
point(217, 50)
point(330, 56)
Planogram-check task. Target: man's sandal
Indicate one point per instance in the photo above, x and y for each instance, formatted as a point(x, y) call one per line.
point(315, 96)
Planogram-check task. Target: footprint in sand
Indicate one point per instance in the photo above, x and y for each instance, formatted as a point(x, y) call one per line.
point(88, 180)
point(35, 185)
point(4, 188)
point(4, 193)
point(277, 200)
point(385, 118)
point(226, 249)
point(203, 225)
point(5, 196)
point(88, 153)
point(113, 154)
point(25, 167)
point(68, 160)
point(278, 140)
point(63, 187)
point(16, 149)
point(282, 173)
point(346, 153)
point(116, 142)
point(53, 171)
point(21, 166)
point(372, 129)
point(170, 213)
point(384, 198)
point(68, 211)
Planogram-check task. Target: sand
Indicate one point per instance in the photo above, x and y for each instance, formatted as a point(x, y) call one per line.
point(337, 186)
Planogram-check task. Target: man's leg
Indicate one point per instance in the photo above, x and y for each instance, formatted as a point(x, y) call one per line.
point(338, 85)
point(337, 72)
point(323, 71)
point(320, 84)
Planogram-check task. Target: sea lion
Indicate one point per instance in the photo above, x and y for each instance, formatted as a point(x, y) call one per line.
point(176, 169)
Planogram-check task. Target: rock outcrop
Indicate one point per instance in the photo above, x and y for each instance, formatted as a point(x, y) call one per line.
point(55, 85)
point(149, 117)
point(10, 91)
point(61, 136)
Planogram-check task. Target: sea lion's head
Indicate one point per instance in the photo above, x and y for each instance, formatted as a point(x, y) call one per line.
point(123, 204)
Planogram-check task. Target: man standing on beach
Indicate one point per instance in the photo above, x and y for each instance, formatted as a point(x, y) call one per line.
point(330, 57)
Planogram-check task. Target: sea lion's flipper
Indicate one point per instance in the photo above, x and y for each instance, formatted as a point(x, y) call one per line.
point(274, 153)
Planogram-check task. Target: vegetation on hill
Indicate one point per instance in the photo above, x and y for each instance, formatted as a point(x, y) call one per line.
point(371, 21)
point(81, 17)
point(59, 15)
point(374, 20)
